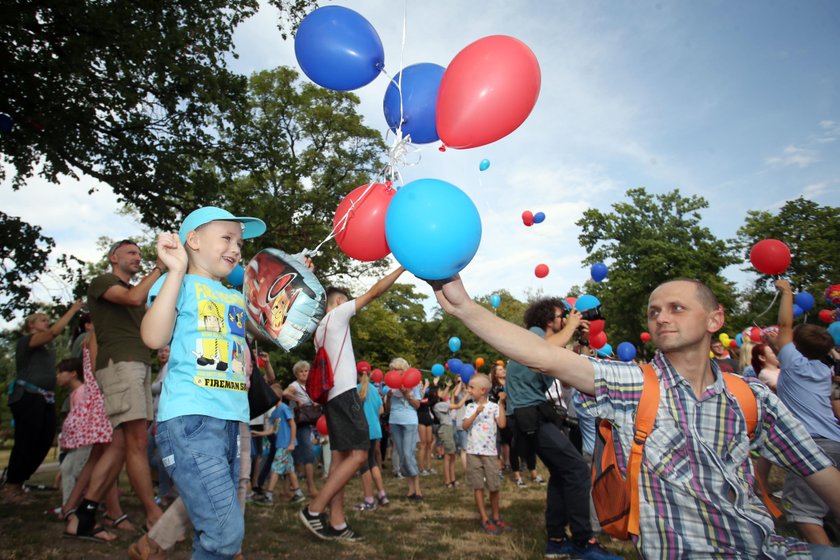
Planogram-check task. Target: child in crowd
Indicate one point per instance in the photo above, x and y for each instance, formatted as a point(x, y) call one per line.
point(283, 425)
point(371, 471)
point(446, 432)
point(480, 420)
point(205, 396)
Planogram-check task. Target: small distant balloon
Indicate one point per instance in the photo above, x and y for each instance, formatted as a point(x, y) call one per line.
point(437, 370)
point(805, 301)
point(376, 375)
point(834, 330)
point(826, 315)
point(598, 271)
point(528, 218)
point(539, 218)
point(495, 300)
point(645, 336)
point(454, 343)
point(605, 351)
point(797, 311)
point(484, 165)
point(541, 271)
point(626, 352)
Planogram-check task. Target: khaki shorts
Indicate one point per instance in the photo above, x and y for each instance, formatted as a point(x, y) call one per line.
point(446, 433)
point(800, 502)
point(127, 390)
point(483, 469)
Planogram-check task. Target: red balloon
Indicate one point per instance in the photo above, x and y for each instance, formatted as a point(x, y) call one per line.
point(362, 235)
point(598, 340)
point(770, 256)
point(393, 379)
point(527, 218)
point(645, 336)
point(376, 375)
point(596, 326)
point(487, 91)
point(755, 334)
point(826, 315)
point(571, 301)
point(411, 378)
point(321, 425)
point(541, 271)
point(733, 343)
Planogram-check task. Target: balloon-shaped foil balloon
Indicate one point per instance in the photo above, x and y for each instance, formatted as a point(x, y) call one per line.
point(805, 301)
point(626, 352)
point(539, 217)
point(283, 299)
point(419, 84)
point(484, 165)
point(487, 91)
point(236, 276)
point(338, 49)
point(360, 222)
point(495, 300)
point(598, 271)
point(454, 343)
point(438, 370)
point(770, 256)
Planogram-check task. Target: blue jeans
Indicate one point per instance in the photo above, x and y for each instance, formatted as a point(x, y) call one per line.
point(304, 453)
point(201, 454)
point(405, 438)
point(824, 552)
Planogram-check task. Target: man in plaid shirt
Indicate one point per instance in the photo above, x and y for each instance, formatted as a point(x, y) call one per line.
point(696, 481)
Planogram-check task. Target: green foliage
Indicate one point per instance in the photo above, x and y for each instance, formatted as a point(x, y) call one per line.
point(645, 241)
point(23, 256)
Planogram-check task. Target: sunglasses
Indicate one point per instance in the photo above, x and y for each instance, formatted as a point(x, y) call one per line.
point(119, 244)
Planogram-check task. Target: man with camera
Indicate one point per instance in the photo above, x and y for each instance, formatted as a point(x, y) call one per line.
point(538, 423)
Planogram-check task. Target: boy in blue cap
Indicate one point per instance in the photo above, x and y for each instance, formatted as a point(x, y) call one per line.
point(205, 395)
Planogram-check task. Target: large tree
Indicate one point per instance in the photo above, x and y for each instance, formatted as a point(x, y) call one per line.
point(646, 240)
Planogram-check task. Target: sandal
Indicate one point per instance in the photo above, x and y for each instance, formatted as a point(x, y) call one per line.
point(93, 536)
point(122, 519)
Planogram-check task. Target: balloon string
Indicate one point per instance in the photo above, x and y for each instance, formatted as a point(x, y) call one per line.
point(342, 222)
point(769, 307)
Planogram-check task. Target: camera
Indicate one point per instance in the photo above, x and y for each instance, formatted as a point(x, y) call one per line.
point(592, 314)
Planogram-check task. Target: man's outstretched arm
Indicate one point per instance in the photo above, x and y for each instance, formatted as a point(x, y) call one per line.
point(378, 289)
point(513, 341)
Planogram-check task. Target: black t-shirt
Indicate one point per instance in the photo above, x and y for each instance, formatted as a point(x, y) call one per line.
point(34, 365)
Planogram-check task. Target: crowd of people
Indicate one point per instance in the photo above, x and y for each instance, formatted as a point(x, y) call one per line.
point(702, 469)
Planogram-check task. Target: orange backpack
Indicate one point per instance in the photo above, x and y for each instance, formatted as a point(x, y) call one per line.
point(616, 499)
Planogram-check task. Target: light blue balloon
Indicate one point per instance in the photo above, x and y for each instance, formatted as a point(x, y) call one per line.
point(539, 218)
point(420, 84)
point(739, 340)
point(432, 228)
point(454, 343)
point(338, 49)
point(598, 271)
point(236, 276)
point(437, 370)
point(495, 300)
point(834, 331)
point(626, 351)
point(805, 301)
point(605, 351)
point(484, 165)
point(797, 311)
point(586, 301)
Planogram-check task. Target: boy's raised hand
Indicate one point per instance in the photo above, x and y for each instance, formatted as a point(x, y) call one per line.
point(171, 252)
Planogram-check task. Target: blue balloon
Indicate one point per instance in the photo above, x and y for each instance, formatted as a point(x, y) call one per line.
point(539, 218)
point(420, 83)
point(454, 343)
point(739, 340)
point(454, 365)
point(626, 351)
point(805, 301)
point(338, 49)
point(495, 300)
point(598, 271)
point(834, 331)
point(797, 311)
point(432, 228)
point(586, 301)
point(605, 351)
point(236, 276)
point(484, 165)
point(466, 373)
point(437, 370)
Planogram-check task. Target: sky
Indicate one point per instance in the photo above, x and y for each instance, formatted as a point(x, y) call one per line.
point(738, 102)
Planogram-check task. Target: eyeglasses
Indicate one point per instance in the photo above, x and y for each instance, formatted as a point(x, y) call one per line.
point(119, 244)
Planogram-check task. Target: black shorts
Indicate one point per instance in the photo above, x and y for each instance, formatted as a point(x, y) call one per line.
point(346, 422)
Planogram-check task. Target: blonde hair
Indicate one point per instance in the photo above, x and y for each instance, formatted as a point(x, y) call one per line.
point(299, 366)
point(27, 323)
point(745, 354)
point(399, 363)
point(364, 384)
point(482, 380)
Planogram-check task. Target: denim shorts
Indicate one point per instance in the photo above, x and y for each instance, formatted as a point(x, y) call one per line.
point(303, 453)
point(460, 440)
point(201, 454)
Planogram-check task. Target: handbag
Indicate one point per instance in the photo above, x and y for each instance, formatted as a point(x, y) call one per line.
point(307, 414)
point(261, 397)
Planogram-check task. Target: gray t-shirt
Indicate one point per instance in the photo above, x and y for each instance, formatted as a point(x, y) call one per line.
point(34, 365)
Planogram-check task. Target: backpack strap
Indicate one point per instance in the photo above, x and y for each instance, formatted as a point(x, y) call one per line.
point(749, 409)
point(645, 418)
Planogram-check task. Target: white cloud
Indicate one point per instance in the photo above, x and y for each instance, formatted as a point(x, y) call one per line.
point(794, 156)
point(830, 131)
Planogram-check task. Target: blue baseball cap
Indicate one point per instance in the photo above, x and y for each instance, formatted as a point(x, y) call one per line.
point(251, 227)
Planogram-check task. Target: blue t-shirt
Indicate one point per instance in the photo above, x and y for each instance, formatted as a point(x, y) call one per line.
point(402, 412)
point(586, 422)
point(525, 387)
point(280, 419)
point(372, 404)
point(805, 387)
point(206, 371)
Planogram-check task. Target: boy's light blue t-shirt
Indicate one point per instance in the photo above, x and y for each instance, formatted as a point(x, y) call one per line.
point(280, 419)
point(805, 387)
point(402, 412)
point(206, 370)
point(372, 404)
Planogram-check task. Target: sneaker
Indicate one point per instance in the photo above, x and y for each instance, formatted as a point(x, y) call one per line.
point(398, 476)
point(316, 523)
point(490, 527)
point(297, 497)
point(538, 480)
point(501, 525)
point(366, 506)
point(521, 483)
point(425, 472)
point(384, 501)
point(346, 534)
point(263, 500)
point(592, 551)
point(777, 494)
point(558, 549)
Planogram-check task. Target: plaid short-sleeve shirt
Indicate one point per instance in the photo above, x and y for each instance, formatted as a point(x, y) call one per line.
point(696, 478)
